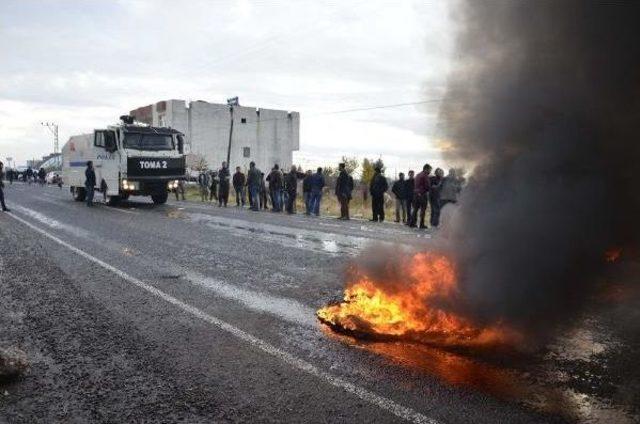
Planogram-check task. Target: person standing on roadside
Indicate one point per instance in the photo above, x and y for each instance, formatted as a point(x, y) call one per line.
point(179, 190)
point(409, 186)
point(399, 189)
point(435, 183)
point(317, 184)
point(275, 188)
point(213, 188)
point(263, 192)
point(254, 180)
point(291, 187)
point(306, 192)
point(10, 175)
point(420, 195)
point(223, 184)
point(42, 176)
point(203, 185)
point(450, 189)
point(29, 173)
point(239, 182)
point(4, 207)
point(344, 188)
point(89, 183)
point(377, 188)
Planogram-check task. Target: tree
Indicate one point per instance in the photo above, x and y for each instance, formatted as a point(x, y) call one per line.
point(367, 171)
point(328, 171)
point(350, 164)
point(200, 163)
point(368, 167)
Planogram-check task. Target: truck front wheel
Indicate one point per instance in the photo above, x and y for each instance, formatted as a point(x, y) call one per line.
point(160, 198)
point(113, 200)
point(78, 194)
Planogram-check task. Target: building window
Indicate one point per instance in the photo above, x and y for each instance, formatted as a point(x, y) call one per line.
point(246, 152)
point(243, 120)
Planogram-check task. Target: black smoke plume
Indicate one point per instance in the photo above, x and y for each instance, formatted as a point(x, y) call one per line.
point(545, 102)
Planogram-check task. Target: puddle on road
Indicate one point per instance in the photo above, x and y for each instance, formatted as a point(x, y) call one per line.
point(316, 241)
point(175, 214)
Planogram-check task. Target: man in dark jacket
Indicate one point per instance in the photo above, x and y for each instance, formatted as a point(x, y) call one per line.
point(420, 195)
point(223, 185)
point(399, 190)
point(409, 185)
point(89, 182)
point(275, 188)
point(213, 188)
point(4, 207)
point(239, 182)
point(42, 176)
point(203, 185)
point(377, 188)
point(291, 187)
point(317, 184)
point(264, 198)
point(344, 187)
point(435, 183)
point(306, 192)
point(254, 181)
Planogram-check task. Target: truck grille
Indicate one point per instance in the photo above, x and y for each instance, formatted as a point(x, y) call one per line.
point(155, 167)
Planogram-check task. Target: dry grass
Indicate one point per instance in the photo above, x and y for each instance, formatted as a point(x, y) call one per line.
point(329, 206)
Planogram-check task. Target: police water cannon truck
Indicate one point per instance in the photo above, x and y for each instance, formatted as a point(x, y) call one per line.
point(128, 158)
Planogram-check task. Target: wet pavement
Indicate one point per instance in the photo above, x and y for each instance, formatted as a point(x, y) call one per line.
point(188, 312)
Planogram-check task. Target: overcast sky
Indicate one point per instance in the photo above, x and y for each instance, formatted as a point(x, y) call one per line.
point(83, 63)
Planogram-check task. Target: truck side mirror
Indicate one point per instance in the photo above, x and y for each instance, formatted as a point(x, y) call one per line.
point(180, 144)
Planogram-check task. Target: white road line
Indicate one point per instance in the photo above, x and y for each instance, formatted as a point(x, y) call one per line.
point(382, 402)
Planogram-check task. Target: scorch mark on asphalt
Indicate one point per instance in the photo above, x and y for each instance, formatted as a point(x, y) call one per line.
point(382, 402)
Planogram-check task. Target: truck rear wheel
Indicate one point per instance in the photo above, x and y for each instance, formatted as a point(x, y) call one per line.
point(78, 194)
point(160, 198)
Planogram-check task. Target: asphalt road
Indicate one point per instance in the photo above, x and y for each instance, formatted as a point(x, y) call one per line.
point(190, 313)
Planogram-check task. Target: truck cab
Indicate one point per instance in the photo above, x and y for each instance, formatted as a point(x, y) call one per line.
point(128, 159)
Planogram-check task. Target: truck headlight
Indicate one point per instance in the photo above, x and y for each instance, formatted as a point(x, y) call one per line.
point(172, 184)
point(130, 185)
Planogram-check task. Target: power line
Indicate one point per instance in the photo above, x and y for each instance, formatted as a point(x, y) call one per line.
point(336, 112)
point(381, 107)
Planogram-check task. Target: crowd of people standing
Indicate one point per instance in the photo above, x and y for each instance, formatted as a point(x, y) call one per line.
point(279, 190)
point(29, 175)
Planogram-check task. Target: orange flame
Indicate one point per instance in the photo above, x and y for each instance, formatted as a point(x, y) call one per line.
point(414, 308)
point(613, 254)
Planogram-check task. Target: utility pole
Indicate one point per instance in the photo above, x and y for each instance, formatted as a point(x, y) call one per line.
point(53, 127)
point(231, 102)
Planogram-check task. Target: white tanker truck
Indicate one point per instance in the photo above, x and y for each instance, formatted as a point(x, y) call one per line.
point(129, 159)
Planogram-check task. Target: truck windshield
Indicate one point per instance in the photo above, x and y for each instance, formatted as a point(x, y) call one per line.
point(148, 141)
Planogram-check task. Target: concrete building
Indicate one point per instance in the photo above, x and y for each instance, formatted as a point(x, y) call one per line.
point(265, 136)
